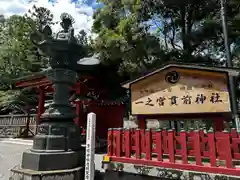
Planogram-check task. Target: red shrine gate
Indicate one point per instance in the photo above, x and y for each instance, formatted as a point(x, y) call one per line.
point(85, 97)
point(173, 93)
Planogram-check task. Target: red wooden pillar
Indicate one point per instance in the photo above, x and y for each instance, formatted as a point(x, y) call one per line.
point(138, 144)
point(141, 122)
point(41, 100)
point(110, 142)
point(159, 145)
point(212, 149)
point(127, 143)
point(197, 148)
point(171, 148)
point(148, 138)
point(184, 153)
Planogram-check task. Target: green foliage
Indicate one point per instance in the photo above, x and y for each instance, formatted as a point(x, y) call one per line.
point(19, 57)
point(17, 100)
point(122, 40)
point(17, 51)
point(234, 29)
point(85, 41)
point(141, 34)
point(41, 16)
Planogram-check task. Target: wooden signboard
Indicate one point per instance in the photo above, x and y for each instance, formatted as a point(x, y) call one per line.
point(179, 90)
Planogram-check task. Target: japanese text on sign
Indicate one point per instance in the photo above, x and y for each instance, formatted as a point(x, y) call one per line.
point(196, 91)
point(185, 99)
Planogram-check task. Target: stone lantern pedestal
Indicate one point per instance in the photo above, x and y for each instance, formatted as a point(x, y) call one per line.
point(56, 152)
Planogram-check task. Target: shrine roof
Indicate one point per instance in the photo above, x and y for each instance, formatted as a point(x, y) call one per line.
point(87, 62)
point(34, 75)
point(230, 71)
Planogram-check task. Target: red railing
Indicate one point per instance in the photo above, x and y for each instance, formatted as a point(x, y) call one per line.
point(210, 152)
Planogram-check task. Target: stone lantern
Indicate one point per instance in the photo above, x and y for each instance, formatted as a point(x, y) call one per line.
point(57, 150)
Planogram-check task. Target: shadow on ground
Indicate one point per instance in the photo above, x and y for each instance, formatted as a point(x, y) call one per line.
point(99, 175)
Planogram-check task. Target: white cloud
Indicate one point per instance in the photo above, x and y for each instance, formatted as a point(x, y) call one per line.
point(80, 11)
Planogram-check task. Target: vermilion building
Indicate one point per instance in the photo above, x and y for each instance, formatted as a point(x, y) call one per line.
point(99, 92)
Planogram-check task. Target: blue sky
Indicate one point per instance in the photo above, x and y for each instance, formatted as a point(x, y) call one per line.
point(81, 10)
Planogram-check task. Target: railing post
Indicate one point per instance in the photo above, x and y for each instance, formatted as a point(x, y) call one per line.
point(223, 147)
point(197, 148)
point(110, 141)
point(235, 143)
point(165, 141)
point(234, 133)
point(212, 148)
point(171, 146)
point(41, 100)
point(118, 142)
point(143, 143)
point(159, 144)
point(183, 136)
point(127, 143)
point(148, 139)
point(228, 152)
point(138, 143)
point(114, 142)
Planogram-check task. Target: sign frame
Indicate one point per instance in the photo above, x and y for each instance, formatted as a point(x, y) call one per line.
point(225, 74)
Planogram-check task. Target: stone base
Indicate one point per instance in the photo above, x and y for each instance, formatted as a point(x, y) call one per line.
point(127, 171)
point(186, 175)
point(52, 161)
point(25, 174)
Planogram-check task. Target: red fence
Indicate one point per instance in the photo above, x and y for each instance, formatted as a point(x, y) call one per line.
point(210, 152)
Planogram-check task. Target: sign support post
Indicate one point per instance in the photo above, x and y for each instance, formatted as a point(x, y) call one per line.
point(90, 147)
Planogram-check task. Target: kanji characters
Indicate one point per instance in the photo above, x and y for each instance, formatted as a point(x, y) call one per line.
point(139, 102)
point(215, 98)
point(149, 102)
point(200, 99)
point(187, 99)
point(160, 101)
point(173, 100)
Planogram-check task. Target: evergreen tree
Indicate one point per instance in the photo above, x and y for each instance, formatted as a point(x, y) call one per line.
point(142, 34)
point(19, 57)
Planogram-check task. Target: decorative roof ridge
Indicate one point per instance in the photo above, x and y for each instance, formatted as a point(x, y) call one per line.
point(233, 71)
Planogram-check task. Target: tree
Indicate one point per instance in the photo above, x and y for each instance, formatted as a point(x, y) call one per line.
point(234, 31)
point(122, 40)
point(17, 57)
point(141, 34)
point(20, 57)
point(2, 18)
point(42, 17)
point(86, 41)
point(17, 52)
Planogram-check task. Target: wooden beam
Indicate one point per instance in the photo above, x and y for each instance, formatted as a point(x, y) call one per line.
point(33, 82)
